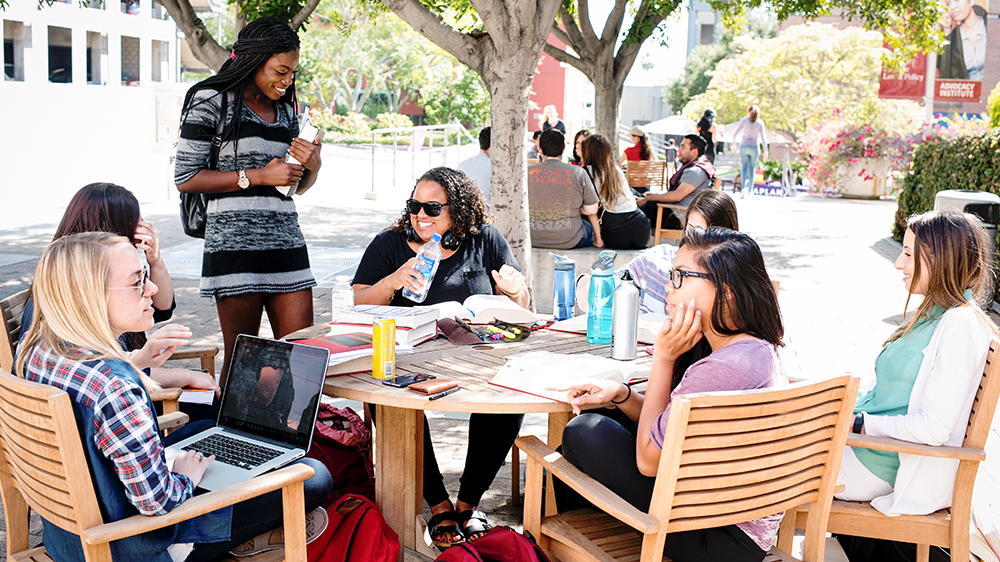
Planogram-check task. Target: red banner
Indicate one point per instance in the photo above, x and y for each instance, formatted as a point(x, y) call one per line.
point(958, 90)
point(906, 86)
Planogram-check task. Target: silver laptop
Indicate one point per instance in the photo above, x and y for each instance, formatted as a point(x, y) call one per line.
point(267, 414)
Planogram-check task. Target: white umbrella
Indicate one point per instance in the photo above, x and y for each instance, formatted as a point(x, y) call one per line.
point(673, 125)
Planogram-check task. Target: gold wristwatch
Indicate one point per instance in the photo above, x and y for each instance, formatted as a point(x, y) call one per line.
point(244, 180)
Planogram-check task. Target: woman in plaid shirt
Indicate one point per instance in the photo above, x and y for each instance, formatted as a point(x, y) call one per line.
point(90, 288)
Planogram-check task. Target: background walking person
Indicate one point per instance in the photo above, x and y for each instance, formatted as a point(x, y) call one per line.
point(754, 134)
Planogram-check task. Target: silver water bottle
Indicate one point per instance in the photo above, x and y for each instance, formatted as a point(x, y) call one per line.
point(625, 320)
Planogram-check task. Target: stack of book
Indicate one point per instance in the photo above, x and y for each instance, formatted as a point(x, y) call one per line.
point(350, 338)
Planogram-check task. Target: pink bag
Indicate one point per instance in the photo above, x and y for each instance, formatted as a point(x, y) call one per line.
point(343, 444)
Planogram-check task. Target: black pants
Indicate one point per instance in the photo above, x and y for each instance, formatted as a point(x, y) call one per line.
point(490, 437)
point(670, 220)
point(625, 231)
point(605, 450)
point(256, 515)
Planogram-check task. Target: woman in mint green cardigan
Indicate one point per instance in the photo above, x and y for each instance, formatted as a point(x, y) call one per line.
point(929, 370)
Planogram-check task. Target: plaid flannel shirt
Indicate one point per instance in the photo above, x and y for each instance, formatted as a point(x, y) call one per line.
point(125, 432)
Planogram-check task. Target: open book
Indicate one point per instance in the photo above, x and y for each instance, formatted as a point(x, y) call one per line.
point(405, 316)
point(536, 372)
point(483, 309)
point(649, 324)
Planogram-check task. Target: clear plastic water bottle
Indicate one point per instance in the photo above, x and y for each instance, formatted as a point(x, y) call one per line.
point(600, 305)
point(428, 259)
point(563, 287)
point(343, 294)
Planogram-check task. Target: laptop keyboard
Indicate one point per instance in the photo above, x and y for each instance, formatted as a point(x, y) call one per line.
point(235, 452)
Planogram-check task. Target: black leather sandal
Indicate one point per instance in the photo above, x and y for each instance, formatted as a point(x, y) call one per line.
point(438, 529)
point(473, 523)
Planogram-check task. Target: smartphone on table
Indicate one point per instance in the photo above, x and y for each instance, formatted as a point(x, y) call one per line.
point(406, 380)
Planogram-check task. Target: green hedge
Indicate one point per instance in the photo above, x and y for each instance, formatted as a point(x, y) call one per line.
point(968, 162)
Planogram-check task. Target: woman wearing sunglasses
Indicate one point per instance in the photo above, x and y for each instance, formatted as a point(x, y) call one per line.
point(106, 207)
point(724, 335)
point(476, 260)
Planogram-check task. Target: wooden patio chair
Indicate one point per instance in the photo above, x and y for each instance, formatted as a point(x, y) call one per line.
point(646, 173)
point(41, 469)
point(728, 457)
point(949, 527)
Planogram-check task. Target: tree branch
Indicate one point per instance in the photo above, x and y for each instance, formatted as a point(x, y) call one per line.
point(614, 24)
point(464, 48)
point(204, 47)
point(588, 30)
point(564, 57)
point(303, 15)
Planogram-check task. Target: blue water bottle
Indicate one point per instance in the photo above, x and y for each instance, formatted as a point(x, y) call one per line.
point(563, 287)
point(602, 292)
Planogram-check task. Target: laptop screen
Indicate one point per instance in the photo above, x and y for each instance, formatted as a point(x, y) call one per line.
point(273, 390)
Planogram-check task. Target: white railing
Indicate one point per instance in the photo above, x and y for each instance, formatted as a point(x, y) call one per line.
point(418, 138)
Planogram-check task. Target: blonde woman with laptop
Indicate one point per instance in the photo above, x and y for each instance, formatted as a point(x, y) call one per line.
point(89, 289)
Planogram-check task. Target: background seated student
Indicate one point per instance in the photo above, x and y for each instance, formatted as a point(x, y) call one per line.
point(724, 336)
point(650, 269)
point(695, 175)
point(90, 289)
point(622, 225)
point(928, 372)
point(106, 207)
point(559, 195)
point(476, 260)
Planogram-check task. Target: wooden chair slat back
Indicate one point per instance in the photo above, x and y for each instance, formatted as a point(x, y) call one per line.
point(984, 406)
point(646, 173)
point(43, 456)
point(739, 456)
point(11, 310)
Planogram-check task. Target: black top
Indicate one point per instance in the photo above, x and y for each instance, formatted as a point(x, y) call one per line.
point(559, 126)
point(465, 273)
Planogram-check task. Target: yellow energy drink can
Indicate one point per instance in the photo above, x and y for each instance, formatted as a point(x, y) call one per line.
point(384, 348)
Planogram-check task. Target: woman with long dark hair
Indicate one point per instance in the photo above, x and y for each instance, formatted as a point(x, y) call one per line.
point(255, 255)
point(106, 207)
point(578, 138)
point(706, 128)
point(723, 334)
point(622, 225)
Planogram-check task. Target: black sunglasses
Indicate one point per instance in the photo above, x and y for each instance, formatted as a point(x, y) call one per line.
point(432, 209)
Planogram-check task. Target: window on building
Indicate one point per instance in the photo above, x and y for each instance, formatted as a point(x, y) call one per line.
point(160, 61)
point(130, 61)
point(96, 4)
point(97, 58)
point(16, 36)
point(130, 7)
point(707, 34)
point(159, 13)
point(60, 54)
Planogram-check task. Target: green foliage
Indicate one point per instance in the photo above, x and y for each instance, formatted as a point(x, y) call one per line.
point(284, 10)
point(993, 106)
point(802, 77)
point(459, 95)
point(350, 128)
point(391, 120)
point(940, 163)
point(700, 63)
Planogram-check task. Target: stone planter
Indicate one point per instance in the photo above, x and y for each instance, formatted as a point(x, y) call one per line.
point(865, 179)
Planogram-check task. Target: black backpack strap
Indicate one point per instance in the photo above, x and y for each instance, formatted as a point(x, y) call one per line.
point(213, 154)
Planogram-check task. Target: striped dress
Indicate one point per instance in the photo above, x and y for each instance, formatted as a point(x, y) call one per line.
point(253, 243)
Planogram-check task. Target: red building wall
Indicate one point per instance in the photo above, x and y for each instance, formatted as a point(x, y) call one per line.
point(548, 88)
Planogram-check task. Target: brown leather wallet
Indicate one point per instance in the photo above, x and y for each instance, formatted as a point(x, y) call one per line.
point(432, 386)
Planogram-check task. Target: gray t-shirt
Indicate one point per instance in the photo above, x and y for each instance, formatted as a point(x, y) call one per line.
point(699, 179)
point(478, 168)
point(556, 191)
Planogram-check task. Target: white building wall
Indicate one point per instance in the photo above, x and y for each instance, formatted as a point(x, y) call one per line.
point(58, 137)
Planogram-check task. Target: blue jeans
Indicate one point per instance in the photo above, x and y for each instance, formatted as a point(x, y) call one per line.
point(588, 234)
point(748, 163)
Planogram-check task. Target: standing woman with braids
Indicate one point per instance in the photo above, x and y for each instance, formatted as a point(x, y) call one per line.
point(255, 254)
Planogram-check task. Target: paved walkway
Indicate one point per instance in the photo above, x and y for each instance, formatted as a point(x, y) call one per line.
point(840, 295)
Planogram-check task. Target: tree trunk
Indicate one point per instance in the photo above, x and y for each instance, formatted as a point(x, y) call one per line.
point(607, 98)
point(508, 80)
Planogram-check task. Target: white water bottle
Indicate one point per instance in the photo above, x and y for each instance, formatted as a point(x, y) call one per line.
point(428, 259)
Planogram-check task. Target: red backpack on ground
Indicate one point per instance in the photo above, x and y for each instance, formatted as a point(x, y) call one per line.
point(343, 443)
point(357, 533)
point(499, 544)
